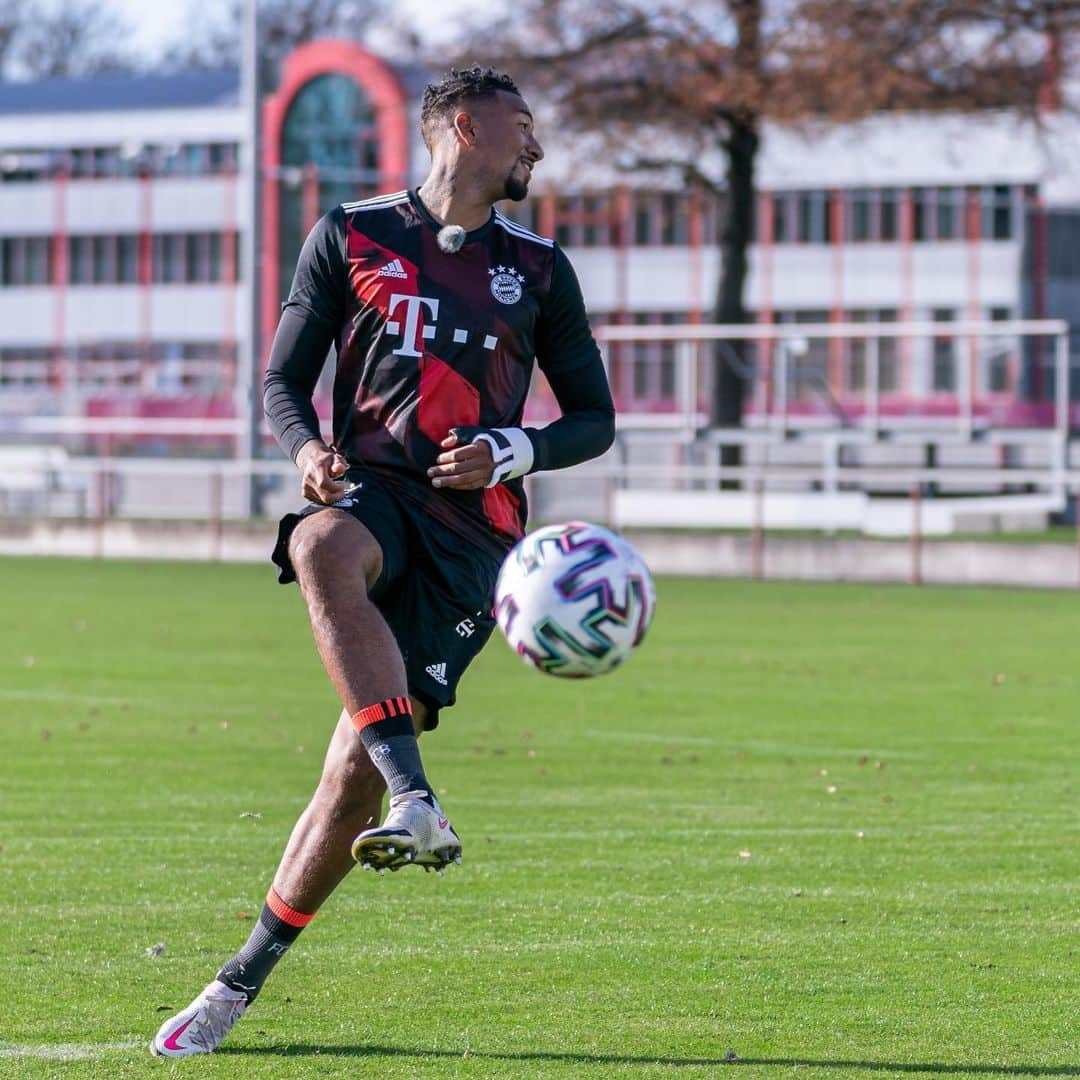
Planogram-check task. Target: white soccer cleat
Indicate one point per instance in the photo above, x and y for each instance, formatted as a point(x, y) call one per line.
point(203, 1025)
point(415, 833)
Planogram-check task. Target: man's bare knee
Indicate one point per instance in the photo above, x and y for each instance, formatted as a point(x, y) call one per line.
point(330, 545)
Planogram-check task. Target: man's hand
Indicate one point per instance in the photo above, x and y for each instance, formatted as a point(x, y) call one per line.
point(462, 466)
point(320, 467)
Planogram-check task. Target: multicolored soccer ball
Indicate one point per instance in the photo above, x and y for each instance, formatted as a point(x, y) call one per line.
point(574, 599)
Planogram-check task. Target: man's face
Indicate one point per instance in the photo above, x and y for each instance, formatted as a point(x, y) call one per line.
point(506, 145)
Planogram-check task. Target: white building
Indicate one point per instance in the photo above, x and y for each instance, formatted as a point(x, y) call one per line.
point(122, 211)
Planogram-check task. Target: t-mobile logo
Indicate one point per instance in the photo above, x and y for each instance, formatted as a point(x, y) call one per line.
point(413, 308)
point(415, 315)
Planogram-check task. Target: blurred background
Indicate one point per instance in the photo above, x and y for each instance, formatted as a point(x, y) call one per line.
point(831, 250)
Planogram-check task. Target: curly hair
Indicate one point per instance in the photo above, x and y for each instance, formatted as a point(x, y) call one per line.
point(456, 86)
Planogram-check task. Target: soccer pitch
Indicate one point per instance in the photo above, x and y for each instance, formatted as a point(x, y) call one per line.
point(833, 829)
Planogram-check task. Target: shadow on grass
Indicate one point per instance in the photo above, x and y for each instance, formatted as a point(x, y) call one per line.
point(311, 1050)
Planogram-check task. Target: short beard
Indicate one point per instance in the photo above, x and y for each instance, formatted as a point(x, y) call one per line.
point(516, 189)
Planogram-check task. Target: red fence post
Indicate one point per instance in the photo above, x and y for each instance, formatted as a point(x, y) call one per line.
point(1076, 514)
point(916, 534)
point(102, 512)
point(757, 534)
point(216, 513)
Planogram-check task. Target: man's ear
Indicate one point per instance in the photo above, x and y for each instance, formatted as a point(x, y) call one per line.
point(464, 128)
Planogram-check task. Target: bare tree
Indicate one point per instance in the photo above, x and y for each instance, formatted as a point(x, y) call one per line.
point(40, 40)
point(687, 87)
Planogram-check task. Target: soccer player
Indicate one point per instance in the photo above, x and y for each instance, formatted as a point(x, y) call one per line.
point(438, 306)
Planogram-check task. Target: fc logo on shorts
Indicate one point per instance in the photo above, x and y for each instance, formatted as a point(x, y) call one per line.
point(506, 284)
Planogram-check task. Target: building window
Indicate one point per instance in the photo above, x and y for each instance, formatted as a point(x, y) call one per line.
point(811, 217)
point(889, 213)
point(860, 225)
point(659, 218)
point(38, 260)
point(943, 360)
point(1002, 350)
point(997, 223)
point(921, 225)
point(949, 200)
point(780, 230)
point(127, 259)
point(80, 251)
point(675, 218)
point(642, 224)
point(103, 250)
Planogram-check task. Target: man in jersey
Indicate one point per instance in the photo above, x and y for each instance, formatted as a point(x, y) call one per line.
point(438, 306)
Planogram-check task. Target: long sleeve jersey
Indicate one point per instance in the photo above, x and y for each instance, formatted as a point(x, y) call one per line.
point(428, 340)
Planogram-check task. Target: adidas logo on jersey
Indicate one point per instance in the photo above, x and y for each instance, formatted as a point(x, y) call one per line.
point(393, 269)
point(437, 672)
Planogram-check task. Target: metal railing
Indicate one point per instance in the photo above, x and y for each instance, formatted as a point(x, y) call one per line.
point(790, 341)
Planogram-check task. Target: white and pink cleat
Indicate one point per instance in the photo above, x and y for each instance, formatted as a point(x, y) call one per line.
point(203, 1025)
point(415, 833)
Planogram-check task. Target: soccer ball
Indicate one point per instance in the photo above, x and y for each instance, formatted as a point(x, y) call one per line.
point(574, 599)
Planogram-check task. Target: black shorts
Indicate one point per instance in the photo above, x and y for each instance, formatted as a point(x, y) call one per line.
point(435, 590)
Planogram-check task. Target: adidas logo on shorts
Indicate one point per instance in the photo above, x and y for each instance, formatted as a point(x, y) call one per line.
point(437, 672)
point(393, 269)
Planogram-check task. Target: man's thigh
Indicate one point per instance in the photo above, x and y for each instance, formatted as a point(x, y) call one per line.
point(440, 614)
point(373, 515)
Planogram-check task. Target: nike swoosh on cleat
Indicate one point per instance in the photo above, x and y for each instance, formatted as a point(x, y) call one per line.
point(443, 822)
point(171, 1043)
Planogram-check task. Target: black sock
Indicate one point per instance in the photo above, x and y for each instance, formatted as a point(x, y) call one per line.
point(386, 730)
point(278, 927)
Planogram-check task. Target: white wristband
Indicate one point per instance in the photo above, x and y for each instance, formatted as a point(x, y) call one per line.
point(511, 450)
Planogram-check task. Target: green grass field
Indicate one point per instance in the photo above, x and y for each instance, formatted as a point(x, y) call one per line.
point(833, 829)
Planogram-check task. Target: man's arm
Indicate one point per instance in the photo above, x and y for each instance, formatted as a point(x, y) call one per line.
point(570, 359)
point(304, 335)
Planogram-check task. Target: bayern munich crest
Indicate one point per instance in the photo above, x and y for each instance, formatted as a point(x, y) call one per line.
point(506, 284)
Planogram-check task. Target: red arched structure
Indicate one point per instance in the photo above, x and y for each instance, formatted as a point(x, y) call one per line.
point(390, 103)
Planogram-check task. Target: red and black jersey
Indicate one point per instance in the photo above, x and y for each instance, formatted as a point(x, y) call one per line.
point(427, 341)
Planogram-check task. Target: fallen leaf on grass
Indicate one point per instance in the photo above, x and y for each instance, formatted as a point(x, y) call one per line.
point(255, 815)
point(155, 950)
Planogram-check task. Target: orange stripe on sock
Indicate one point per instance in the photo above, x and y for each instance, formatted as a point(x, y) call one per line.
point(370, 715)
point(285, 913)
point(382, 710)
